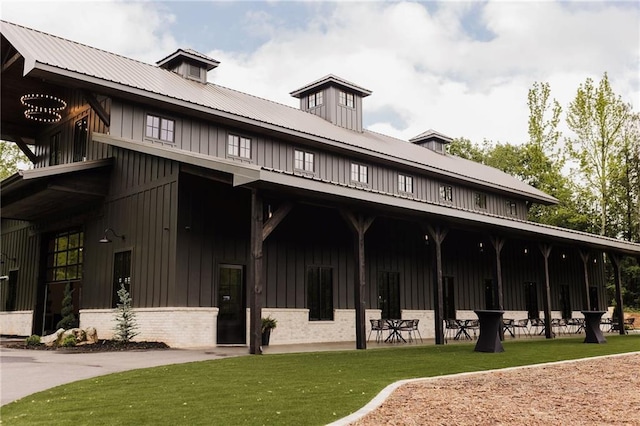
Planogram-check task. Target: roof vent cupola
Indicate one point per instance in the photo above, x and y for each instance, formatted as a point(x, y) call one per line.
point(189, 64)
point(432, 140)
point(334, 99)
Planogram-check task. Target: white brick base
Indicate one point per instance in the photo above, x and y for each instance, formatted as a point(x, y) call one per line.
point(16, 323)
point(177, 327)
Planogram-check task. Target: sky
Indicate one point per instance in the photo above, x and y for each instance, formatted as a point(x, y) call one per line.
point(461, 68)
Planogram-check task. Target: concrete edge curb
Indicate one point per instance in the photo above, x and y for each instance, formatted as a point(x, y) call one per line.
point(387, 391)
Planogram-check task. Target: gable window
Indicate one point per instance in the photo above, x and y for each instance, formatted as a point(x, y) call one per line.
point(315, 99)
point(359, 173)
point(347, 99)
point(320, 293)
point(446, 193)
point(55, 153)
point(512, 209)
point(80, 136)
point(238, 146)
point(160, 128)
point(194, 71)
point(405, 184)
point(480, 200)
point(304, 161)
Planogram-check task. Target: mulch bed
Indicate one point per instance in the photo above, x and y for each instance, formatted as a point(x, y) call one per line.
point(100, 346)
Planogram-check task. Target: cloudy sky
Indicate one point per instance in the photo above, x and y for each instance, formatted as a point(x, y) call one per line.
point(461, 68)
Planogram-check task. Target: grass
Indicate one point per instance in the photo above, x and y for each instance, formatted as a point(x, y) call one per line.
point(300, 389)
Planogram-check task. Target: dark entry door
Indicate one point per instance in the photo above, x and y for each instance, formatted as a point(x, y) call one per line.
point(231, 304)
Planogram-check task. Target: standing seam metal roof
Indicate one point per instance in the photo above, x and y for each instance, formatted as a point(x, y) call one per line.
point(41, 48)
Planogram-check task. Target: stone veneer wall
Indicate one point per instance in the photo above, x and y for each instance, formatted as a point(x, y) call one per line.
point(177, 327)
point(16, 323)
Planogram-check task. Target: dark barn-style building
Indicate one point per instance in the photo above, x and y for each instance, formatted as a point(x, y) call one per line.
point(215, 208)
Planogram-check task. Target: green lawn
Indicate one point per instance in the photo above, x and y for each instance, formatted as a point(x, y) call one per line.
point(296, 389)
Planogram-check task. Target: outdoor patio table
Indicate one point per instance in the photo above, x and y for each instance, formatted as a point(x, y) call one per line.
point(394, 331)
point(592, 327)
point(490, 323)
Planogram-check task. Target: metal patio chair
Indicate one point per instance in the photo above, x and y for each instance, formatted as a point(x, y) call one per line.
point(376, 325)
point(522, 326)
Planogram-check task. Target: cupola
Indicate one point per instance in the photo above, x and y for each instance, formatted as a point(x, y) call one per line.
point(334, 99)
point(189, 64)
point(432, 140)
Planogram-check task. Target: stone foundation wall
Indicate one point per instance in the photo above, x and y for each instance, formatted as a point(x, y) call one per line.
point(16, 323)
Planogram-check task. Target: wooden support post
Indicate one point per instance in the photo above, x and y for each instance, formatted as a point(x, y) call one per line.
point(545, 249)
point(584, 255)
point(498, 244)
point(255, 274)
point(615, 261)
point(438, 235)
point(25, 149)
point(359, 224)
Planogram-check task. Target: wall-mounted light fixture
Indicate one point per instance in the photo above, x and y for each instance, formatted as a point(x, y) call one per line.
point(4, 256)
point(564, 256)
point(526, 250)
point(481, 247)
point(43, 108)
point(105, 239)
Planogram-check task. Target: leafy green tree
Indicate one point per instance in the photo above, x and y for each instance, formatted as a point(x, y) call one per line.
point(464, 148)
point(597, 117)
point(10, 158)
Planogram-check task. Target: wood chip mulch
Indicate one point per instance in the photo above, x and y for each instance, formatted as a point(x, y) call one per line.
point(604, 391)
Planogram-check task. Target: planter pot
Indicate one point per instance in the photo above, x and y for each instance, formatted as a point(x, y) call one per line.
point(266, 334)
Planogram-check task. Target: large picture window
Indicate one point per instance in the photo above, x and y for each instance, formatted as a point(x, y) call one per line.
point(64, 256)
point(320, 293)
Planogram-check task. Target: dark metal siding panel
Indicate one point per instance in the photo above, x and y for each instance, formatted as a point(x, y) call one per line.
point(20, 243)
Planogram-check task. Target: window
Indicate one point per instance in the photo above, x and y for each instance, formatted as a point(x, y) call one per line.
point(531, 300)
point(448, 298)
point(446, 193)
point(64, 256)
point(239, 146)
point(347, 99)
point(389, 294)
point(405, 184)
point(315, 99)
point(160, 128)
point(121, 274)
point(194, 71)
point(565, 302)
point(304, 161)
point(80, 136)
point(480, 200)
point(512, 208)
point(320, 293)
point(55, 153)
point(12, 291)
point(359, 173)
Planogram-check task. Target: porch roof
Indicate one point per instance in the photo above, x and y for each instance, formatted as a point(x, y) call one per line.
point(38, 194)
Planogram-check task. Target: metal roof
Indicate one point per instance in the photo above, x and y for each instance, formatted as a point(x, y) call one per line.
point(198, 57)
point(327, 80)
point(52, 54)
point(431, 134)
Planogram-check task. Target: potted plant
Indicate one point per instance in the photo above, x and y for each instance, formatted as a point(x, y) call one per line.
point(268, 324)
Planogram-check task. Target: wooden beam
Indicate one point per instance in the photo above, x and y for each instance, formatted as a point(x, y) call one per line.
point(438, 234)
point(545, 249)
point(585, 256)
point(272, 223)
point(97, 107)
point(7, 64)
point(498, 244)
point(25, 149)
point(256, 274)
point(617, 274)
point(360, 225)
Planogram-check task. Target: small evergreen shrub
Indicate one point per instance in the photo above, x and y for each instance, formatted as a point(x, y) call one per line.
point(69, 341)
point(33, 340)
point(126, 324)
point(68, 320)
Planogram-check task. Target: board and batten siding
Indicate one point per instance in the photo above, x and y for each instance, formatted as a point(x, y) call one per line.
point(210, 138)
point(20, 252)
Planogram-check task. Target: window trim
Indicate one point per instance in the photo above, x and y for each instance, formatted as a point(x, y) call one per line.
point(408, 181)
point(344, 97)
point(237, 154)
point(318, 99)
point(359, 173)
point(443, 194)
point(480, 200)
point(512, 208)
point(304, 153)
point(161, 119)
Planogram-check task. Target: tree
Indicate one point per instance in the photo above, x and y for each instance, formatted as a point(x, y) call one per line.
point(68, 320)
point(10, 158)
point(464, 148)
point(126, 323)
point(597, 117)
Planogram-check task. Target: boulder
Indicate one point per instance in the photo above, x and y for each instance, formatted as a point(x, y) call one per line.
point(51, 339)
point(78, 333)
point(92, 335)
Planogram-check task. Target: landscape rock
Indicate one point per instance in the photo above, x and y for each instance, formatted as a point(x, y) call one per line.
point(51, 339)
point(91, 334)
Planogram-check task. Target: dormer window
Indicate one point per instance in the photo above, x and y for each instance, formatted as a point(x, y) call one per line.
point(194, 71)
point(315, 99)
point(347, 99)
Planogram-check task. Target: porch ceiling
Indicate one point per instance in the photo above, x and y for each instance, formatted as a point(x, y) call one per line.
point(35, 195)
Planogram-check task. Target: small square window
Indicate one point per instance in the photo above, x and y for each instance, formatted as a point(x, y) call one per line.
point(347, 99)
point(359, 173)
point(160, 128)
point(405, 183)
point(304, 161)
point(315, 99)
point(238, 146)
point(512, 208)
point(446, 193)
point(480, 200)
